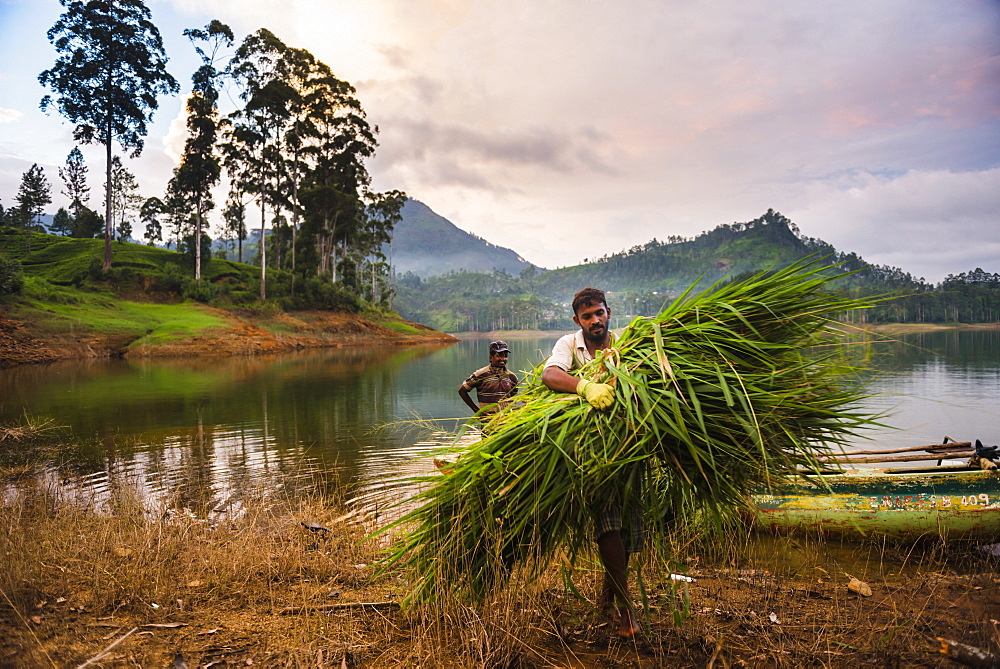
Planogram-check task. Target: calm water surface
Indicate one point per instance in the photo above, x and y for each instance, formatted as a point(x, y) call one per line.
point(208, 430)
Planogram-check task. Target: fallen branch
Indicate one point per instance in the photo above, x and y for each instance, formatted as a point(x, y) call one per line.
point(289, 610)
point(968, 655)
point(108, 649)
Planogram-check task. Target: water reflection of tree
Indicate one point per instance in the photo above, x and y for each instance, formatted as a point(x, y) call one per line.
point(125, 397)
point(210, 434)
point(957, 350)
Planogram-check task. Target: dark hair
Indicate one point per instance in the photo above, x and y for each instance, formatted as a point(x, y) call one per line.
point(588, 296)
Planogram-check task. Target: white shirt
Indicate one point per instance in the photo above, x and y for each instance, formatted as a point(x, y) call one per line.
point(570, 352)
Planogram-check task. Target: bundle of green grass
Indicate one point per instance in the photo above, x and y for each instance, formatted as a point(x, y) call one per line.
point(724, 392)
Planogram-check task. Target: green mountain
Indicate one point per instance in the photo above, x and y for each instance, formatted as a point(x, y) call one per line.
point(639, 281)
point(427, 245)
point(669, 268)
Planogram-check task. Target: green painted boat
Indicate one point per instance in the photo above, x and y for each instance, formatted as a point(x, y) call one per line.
point(954, 502)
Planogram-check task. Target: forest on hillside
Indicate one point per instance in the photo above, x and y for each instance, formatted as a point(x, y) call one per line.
point(294, 149)
point(642, 280)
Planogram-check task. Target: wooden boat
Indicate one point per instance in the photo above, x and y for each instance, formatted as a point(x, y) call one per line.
point(951, 501)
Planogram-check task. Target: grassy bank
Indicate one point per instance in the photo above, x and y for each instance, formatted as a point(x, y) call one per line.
point(89, 326)
point(112, 581)
point(148, 304)
point(58, 311)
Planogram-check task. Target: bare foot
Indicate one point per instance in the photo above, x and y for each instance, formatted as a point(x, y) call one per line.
point(606, 605)
point(628, 626)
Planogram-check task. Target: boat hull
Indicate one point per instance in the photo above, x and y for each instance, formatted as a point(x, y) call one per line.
point(952, 503)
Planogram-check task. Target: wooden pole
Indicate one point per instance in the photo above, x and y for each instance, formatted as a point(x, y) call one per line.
point(934, 447)
point(839, 460)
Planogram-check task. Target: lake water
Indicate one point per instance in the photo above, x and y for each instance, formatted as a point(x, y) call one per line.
point(207, 430)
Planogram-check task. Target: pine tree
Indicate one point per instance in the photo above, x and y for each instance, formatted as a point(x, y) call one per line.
point(74, 176)
point(32, 196)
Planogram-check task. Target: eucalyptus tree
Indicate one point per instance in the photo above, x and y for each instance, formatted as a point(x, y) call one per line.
point(74, 176)
point(235, 217)
point(300, 67)
point(123, 192)
point(321, 99)
point(32, 195)
point(253, 150)
point(149, 214)
point(200, 167)
point(111, 69)
point(334, 188)
point(328, 211)
point(382, 212)
point(299, 144)
point(177, 207)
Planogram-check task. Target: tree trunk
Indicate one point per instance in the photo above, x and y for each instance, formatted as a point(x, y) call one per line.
point(392, 275)
point(107, 205)
point(197, 240)
point(295, 217)
point(263, 264)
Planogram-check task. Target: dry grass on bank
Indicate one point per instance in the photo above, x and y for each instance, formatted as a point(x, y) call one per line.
point(121, 586)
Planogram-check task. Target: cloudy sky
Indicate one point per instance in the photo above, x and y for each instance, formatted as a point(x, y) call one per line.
point(568, 129)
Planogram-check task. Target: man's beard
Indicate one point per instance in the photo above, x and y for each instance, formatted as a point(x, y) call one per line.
point(596, 335)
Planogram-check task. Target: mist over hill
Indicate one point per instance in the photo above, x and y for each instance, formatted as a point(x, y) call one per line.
point(427, 244)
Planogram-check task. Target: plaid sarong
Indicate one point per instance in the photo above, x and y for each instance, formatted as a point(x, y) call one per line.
point(609, 519)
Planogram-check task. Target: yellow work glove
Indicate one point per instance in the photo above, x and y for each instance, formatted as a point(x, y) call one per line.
point(600, 395)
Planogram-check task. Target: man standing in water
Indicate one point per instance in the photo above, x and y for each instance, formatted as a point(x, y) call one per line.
point(494, 384)
point(614, 542)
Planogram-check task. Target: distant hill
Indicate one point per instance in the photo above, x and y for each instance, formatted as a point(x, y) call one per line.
point(669, 268)
point(639, 280)
point(428, 244)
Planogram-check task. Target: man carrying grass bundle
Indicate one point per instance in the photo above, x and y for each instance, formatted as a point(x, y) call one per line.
point(614, 542)
point(724, 392)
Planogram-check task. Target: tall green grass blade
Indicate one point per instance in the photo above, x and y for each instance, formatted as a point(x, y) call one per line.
point(719, 394)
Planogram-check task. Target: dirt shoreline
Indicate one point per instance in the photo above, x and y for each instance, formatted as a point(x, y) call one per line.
point(21, 343)
point(884, 328)
point(929, 327)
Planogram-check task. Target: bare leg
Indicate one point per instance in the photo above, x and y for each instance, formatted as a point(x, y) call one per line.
point(614, 593)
